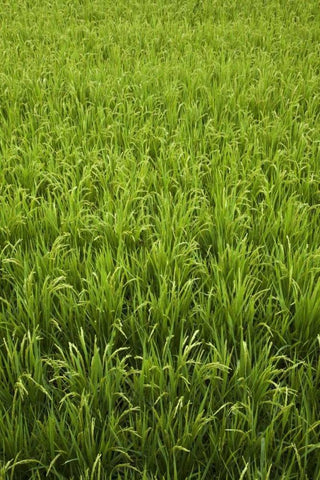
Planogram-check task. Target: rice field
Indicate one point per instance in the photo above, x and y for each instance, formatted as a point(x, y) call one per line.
point(159, 240)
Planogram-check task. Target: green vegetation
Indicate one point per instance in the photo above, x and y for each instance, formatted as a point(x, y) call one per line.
point(159, 239)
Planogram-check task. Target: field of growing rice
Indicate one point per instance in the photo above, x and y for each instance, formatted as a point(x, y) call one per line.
point(159, 240)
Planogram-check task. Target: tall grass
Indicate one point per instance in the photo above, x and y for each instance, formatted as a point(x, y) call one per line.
point(159, 239)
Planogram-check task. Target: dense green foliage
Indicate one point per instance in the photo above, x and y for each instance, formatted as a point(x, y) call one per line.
point(159, 239)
